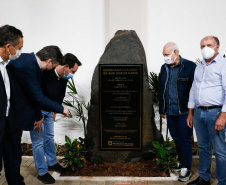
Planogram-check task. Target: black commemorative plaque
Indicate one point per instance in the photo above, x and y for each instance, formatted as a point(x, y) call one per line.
point(121, 107)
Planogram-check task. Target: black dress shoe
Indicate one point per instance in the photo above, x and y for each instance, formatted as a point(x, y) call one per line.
point(46, 178)
point(56, 168)
point(199, 181)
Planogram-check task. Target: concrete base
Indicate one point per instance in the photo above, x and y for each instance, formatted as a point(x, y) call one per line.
point(173, 177)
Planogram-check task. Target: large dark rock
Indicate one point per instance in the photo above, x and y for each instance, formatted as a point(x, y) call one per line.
point(124, 48)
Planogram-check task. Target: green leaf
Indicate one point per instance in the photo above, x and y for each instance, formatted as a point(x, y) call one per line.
point(169, 148)
point(154, 83)
point(156, 144)
point(68, 103)
point(162, 153)
point(71, 86)
point(68, 140)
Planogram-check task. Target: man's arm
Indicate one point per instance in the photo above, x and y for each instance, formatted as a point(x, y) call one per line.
point(189, 119)
point(191, 103)
point(30, 81)
point(220, 122)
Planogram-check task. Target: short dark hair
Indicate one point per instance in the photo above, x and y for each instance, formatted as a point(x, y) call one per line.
point(50, 52)
point(70, 59)
point(9, 34)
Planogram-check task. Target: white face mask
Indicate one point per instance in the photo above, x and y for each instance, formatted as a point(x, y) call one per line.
point(16, 56)
point(208, 52)
point(168, 59)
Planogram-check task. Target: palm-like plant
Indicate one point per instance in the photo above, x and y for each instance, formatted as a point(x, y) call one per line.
point(154, 83)
point(77, 104)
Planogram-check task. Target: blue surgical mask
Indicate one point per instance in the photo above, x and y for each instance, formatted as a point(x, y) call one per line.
point(67, 77)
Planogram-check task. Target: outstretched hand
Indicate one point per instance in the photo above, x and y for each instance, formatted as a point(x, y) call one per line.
point(66, 112)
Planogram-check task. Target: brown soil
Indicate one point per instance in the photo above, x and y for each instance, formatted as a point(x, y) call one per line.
point(132, 169)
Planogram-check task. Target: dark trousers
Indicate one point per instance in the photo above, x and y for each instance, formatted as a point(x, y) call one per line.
point(182, 136)
point(12, 157)
point(2, 139)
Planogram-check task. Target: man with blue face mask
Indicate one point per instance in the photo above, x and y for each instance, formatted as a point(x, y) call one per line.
point(175, 81)
point(54, 83)
point(207, 111)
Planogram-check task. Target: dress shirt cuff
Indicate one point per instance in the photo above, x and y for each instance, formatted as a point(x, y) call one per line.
point(223, 108)
point(191, 105)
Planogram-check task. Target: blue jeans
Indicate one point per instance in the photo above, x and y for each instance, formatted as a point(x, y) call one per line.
point(182, 136)
point(204, 123)
point(43, 145)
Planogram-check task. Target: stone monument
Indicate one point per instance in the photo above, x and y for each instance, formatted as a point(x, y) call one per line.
point(121, 117)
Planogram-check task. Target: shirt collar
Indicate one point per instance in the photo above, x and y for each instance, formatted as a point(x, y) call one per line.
point(57, 74)
point(216, 59)
point(179, 63)
point(2, 61)
point(37, 61)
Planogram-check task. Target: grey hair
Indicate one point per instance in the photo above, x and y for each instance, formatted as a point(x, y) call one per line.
point(172, 45)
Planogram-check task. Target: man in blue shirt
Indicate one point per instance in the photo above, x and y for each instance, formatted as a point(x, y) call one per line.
point(54, 83)
point(207, 111)
point(175, 81)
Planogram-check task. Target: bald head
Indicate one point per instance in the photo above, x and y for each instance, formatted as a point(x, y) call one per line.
point(171, 53)
point(217, 42)
point(171, 45)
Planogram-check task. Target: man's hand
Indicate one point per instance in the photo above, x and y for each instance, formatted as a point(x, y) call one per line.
point(38, 125)
point(220, 122)
point(163, 116)
point(189, 119)
point(66, 112)
point(54, 116)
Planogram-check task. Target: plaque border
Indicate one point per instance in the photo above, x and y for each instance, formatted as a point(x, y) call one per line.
point(141, 110)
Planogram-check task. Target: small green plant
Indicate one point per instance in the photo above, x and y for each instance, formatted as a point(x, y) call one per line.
point(165, 155)
point(77, 105)
point(74, 153)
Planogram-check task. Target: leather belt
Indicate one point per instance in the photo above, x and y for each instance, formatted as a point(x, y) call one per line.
point(210, 107)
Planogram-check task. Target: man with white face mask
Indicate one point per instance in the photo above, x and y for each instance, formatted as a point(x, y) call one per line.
point(54, 84)
point(207, 111)
point(175, 81)
point(11, 43)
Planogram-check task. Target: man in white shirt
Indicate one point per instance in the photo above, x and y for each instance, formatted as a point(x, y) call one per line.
point(207, 101)
point(11, 43)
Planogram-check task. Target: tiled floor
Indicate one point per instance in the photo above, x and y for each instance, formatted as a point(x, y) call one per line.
point(30, 176)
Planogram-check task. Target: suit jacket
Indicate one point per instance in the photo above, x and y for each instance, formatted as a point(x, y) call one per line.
point(10, 125)
point(52, 87)
point(29, 99)
point(3, 106)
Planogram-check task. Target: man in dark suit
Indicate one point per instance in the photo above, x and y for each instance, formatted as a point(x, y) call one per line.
point(11, 43)
point(26, 72)
point(54, 83)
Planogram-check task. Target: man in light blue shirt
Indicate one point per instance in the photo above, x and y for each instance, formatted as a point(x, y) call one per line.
point(207, 111)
